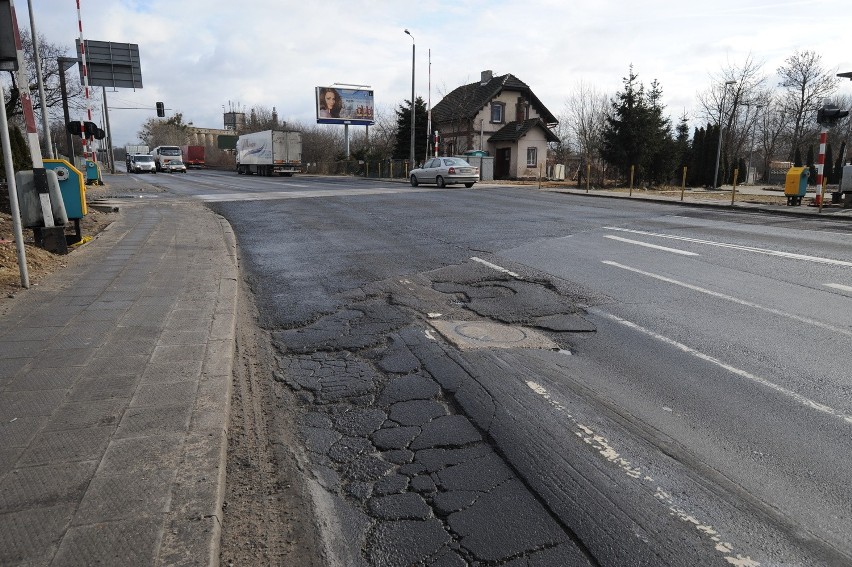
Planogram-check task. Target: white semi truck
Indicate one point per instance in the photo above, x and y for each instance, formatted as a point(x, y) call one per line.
point(270, 152)
point(163, 155)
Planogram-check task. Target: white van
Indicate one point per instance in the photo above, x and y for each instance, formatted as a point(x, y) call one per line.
point(141, 163)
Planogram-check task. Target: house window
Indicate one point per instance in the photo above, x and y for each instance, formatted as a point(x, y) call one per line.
point(497, 112)
point(532, 157)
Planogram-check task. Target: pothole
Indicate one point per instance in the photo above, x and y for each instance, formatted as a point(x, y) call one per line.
point(468, 335)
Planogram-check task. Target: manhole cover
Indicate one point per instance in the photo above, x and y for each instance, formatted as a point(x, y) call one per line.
point(485, 334)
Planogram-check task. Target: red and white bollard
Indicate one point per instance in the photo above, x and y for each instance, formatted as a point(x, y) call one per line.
point(823, 137)
point(87, 142)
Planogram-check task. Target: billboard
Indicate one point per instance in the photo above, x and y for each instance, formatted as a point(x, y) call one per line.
point(111, 64)
point(337, 105)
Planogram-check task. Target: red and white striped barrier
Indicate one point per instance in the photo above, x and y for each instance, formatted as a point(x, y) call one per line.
point(823, 137)
point(86, 140)
point(39, 175)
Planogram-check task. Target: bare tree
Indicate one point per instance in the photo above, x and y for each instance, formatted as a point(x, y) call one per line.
point(322, 145)
point(261, 118)
point(732, 100)
point(169, 132)
point(806, 84)
point(48, 53)
point(773, 126)
point(382, 136)
point(584, 118)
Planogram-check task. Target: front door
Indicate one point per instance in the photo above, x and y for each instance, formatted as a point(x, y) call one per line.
point(501, 163)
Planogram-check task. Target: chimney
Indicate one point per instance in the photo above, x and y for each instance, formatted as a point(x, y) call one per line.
point(486, 76)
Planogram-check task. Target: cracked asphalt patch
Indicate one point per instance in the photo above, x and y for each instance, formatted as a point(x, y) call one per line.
point(382, 423)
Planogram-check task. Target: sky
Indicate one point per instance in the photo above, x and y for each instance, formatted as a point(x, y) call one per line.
point(201, 57)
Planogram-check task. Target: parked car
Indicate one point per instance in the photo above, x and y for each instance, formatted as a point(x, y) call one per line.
point(174, 165)
point(142, 163)
point(444, 171)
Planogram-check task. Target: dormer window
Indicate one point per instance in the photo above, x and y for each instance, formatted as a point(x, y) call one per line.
point(498, 112)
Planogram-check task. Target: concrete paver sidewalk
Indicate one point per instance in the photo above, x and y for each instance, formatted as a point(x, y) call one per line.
point(114, 389)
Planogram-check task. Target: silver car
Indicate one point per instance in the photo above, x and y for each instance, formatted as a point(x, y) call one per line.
point(443, 171)
point(174, 165)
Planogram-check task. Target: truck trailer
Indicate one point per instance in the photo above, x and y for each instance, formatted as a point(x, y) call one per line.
point(132, 150)
point(193, 156)
point(269, 152)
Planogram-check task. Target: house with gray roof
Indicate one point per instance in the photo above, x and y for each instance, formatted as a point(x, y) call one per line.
point(501, 115)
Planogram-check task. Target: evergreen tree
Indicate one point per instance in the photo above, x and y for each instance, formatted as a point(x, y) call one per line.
point(683, 148)
point(637, 133)
point(661, 157)
point(838, 165)
point(710, 148)
point(402, 148)
point(21, 159)
point(626, 126)
point(797, 158)
point(695, 172)
point(828, 166)
point(810, 165)
point(703, 161)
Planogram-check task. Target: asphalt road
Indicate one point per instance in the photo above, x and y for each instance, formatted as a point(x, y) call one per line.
point(689, 402)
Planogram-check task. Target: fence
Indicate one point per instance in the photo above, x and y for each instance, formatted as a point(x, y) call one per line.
point(385, 169)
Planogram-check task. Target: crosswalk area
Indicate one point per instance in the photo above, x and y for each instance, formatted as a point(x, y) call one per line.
point(313, 193)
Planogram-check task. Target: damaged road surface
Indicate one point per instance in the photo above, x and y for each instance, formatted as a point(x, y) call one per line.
point(477, 391)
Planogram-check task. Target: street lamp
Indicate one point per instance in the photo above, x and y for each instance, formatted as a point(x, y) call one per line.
point(411, 155)
point(719, 146)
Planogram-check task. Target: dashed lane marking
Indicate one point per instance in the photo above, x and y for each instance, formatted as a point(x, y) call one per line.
point(795, 396)
point(799, 318)
point(654, 246)
point(841, 287)
point(791, 255)
point(495, 267)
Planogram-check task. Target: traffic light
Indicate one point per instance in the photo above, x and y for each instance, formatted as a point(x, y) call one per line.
point(76, 129)
point(829, 115)
point(84, 129)
point(161, 110)
point(91, 129)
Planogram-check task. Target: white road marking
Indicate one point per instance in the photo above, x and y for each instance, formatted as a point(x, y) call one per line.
point(495, 267)
point(841, 287)
point(607, 451)
point(805, 320)
point(766, 251)
point(647, 245)
point(796, 397)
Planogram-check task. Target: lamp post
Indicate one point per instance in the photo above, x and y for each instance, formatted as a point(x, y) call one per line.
point(719, 146)
point(411, 155)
